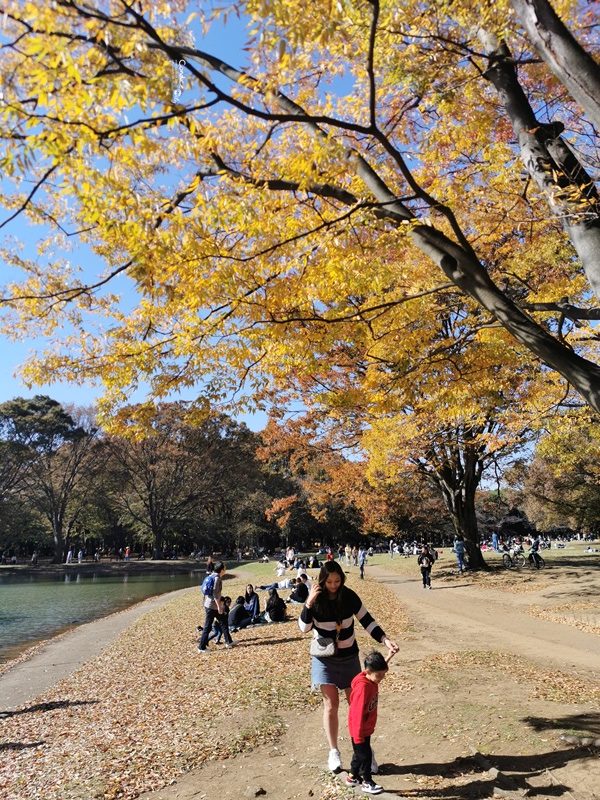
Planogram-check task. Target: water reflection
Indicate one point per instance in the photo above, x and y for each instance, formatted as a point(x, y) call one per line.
point(37, 607)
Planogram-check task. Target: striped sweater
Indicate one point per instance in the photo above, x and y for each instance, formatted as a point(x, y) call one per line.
point(351, 606)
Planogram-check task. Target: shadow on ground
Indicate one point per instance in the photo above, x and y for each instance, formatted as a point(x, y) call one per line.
point(53, 706)
point(509, 773)
point(582, 723)
point(18, 745)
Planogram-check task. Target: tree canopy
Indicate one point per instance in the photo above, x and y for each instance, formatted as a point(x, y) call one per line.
point(372, 154)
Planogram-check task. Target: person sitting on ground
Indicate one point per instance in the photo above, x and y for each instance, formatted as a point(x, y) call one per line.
point(300, 592)
point(280, 568)
point(286, 583)
point(275, 608)
point(238, 617)
point(251, 602)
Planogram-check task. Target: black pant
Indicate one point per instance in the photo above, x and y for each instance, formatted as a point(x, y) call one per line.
point(362, 758)
point(426, 573)
point(212, 615)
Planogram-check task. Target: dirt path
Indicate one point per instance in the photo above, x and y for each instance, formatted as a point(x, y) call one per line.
point(462, 616)
point(488, 690)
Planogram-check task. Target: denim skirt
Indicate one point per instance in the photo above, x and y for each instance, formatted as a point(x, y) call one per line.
point(335, 670)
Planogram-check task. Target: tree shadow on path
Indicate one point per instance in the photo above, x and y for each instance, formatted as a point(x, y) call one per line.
point(19, 745)
point(509, 773)
point(586, 724)
point(52, 706)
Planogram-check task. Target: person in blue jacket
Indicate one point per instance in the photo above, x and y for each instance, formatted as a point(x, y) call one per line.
point(251, 602)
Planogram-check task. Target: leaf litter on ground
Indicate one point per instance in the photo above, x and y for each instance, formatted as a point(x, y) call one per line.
point(150, 708)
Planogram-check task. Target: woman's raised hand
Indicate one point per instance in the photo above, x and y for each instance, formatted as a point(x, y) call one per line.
point(315, 591)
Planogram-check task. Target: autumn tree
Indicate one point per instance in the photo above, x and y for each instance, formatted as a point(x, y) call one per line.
point(385, 187)
point(401, 131)
point(312, 499)
point(177, 484)
point(560, 485)
point(59, 462)
point(329, 485)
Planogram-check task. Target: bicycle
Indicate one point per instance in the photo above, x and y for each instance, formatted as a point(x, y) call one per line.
point(513, 558)
point(531, 561)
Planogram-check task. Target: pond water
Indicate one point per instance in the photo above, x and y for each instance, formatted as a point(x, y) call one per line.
point(38, 607)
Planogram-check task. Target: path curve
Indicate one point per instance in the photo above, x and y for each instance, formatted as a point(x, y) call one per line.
point(464, 614)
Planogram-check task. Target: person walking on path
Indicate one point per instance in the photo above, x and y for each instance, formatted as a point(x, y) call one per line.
point(425, 560)
point(362, 560)
point(348, 554)
point(214, 609)
point(459, 551)
point(362, 718)
point(329, 612)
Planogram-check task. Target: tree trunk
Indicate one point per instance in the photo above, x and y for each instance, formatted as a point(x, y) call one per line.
point(466, 526)
point(568, 189)
point(461, 507)
point(572, 65)
point(456, 470)
point(59, 541)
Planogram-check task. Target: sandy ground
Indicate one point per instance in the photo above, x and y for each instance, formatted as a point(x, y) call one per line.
point(469, 725)
point(489, 689)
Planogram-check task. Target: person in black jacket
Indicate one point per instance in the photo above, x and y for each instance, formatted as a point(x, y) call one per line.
point(238, 616)
point(425, 560)
point(275, 607)
point(300, 592)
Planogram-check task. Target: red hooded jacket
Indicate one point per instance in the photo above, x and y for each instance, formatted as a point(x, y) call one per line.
point(362, 715)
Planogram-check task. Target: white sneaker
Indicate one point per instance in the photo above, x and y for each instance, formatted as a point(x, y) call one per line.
point(371, 788)
point(334, 761)
point(374, 765)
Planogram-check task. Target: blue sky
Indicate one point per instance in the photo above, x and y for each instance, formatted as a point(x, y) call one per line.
point(228, 42)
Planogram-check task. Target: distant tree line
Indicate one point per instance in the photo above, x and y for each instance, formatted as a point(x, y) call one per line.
point(66, 483)
point(217, 486)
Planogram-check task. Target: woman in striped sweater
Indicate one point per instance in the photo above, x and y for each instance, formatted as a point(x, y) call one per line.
point(329, 611)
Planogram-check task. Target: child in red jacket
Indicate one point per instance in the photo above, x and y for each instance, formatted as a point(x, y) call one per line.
point(362, 718)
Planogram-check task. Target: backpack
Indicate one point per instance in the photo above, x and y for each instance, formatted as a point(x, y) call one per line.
point(208, 585)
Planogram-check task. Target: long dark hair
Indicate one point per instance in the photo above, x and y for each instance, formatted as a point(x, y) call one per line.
point(249, 594)
point(323, 603)
point(274, 599)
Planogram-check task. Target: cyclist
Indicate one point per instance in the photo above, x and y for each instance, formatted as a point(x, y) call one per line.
point(534, 552)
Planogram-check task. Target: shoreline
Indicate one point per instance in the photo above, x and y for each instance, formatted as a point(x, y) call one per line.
point(18, 652)
point(42, 665)
point(74, 645)
point(104, 568)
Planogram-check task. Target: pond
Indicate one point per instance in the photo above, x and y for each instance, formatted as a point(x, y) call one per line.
point(37, 607)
